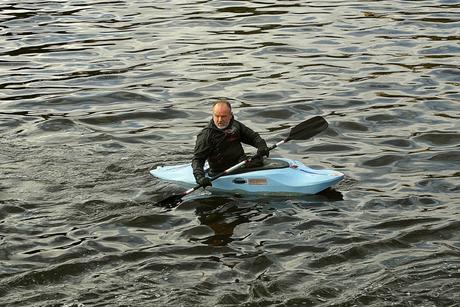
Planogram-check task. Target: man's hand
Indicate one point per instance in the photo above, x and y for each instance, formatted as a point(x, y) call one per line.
point(263, 151)
point(204, 182)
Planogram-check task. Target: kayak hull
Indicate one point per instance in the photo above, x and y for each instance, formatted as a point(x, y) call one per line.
point(293, 177)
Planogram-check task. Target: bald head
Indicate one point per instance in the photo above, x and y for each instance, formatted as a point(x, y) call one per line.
point(222, 113)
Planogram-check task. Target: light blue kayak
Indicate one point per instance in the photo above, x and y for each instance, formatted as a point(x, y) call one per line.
point(278, 176)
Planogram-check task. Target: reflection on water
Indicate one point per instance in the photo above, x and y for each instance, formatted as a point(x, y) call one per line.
point(222, 215)
point(95, 94)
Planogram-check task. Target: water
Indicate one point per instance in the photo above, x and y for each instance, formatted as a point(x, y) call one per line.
point(95, 94)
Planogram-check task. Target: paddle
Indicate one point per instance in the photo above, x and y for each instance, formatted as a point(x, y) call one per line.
point(302, 131)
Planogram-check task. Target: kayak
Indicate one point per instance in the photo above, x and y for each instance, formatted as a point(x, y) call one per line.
point(279, 176)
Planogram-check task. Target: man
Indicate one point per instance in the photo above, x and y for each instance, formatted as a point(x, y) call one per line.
point(220, 143)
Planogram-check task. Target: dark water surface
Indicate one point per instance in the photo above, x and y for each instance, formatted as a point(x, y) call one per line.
point(96, 93)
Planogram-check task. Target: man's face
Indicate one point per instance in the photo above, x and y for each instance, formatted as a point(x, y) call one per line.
point(221, 115)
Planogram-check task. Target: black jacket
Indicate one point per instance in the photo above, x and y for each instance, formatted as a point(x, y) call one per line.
point(222, 148)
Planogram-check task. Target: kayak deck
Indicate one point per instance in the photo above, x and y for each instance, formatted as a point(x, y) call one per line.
point(277, 176)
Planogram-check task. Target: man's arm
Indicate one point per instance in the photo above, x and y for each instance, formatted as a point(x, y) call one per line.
point(250, 137)
point(200, 155)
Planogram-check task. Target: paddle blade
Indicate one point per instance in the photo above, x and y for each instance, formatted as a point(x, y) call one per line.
point(171, 201)
point(308, 128)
